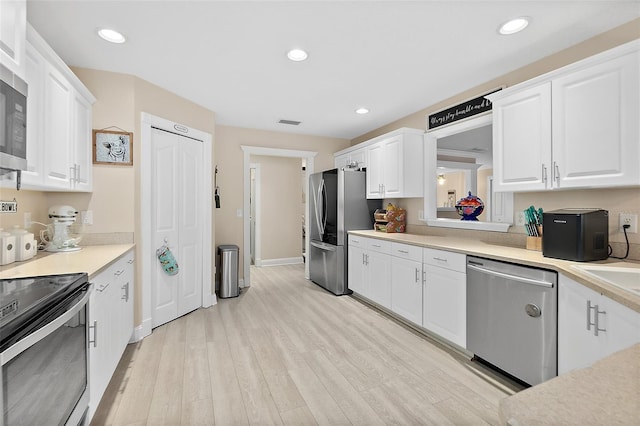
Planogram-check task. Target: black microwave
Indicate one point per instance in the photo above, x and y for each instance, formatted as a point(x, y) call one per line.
point(13, 121)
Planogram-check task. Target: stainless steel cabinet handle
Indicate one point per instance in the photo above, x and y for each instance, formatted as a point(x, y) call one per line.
point(511, 277)
point(403, 251)
point(556, 172)
point(125, 296)
point(596, 326)
point(441, 259)
point(95, 334)
point(417, 274)
point(544, 173)
point(363, 259)
point(376, 245)
point(424, 277)
point(130, 261)
point(367, 259)
point(589, 307)
point(103, 287)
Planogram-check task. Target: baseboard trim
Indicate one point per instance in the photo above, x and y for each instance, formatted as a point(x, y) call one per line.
point(282, 261)
point(141, 331)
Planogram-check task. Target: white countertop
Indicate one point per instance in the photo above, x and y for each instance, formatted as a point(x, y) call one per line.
point(518, 255)
point(89, 259)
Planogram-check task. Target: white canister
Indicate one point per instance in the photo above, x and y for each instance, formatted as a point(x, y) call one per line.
point(7, 248)
point(26, 246)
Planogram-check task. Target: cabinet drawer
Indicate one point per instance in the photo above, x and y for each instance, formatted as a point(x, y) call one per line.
point(358, 241)
point(379, 246)
point(407, 251)
point(445, 259)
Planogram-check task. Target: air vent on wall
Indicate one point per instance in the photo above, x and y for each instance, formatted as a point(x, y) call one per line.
point(290, 122)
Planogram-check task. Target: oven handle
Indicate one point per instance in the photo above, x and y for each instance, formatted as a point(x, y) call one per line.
point(511, 277)
point(22, 345)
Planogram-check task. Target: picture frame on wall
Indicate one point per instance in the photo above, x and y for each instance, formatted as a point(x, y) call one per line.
point(112, 147)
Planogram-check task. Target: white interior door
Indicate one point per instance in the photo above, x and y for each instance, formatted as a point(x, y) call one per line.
point(176, 220)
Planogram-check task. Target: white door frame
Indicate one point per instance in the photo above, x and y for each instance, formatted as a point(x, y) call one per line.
point(257, 220)
point(148, 122)
point(273, 152)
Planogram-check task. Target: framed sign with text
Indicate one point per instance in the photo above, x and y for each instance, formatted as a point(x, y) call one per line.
point(464, 110)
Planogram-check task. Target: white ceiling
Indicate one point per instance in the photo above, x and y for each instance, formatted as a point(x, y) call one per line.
point(394, 57)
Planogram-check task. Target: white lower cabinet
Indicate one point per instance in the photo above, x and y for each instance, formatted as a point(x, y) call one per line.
point(110, 324)
point(406, 285)
point(445, 295)
point(591, 326)
point(370, 269)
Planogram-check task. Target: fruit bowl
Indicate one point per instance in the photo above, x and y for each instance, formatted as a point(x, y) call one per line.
point(470, 207)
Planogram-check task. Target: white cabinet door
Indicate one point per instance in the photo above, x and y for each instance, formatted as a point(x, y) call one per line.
point(580, 312)
point(379, 278)
point(393, 167)
point(36, 66)
point(356, 271)
point(57, 145)
point(341, 161)
point(522, 140)
point(406, 289)
point(596, 137)
point(375, 171)
point(101, 335)
point(81, 144)
point(445, 304)
point(359, 157)
point(13, 24)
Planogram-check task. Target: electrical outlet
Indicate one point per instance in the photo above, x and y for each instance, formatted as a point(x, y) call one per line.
point(520, 218)
point(86, 217)
point(27, 220)
point(630, 219)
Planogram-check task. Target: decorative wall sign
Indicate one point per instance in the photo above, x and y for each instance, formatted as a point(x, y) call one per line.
point(113, 148)
point(9, 206)
point(461, 111)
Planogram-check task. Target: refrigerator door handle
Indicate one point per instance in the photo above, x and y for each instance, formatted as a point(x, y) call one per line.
point(324, 207)
point(318, 200)
point(321, 246)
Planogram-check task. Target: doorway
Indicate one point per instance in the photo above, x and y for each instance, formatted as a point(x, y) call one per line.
point(176, 212)
point(248, 151)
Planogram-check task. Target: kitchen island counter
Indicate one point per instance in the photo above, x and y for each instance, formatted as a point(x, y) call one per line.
point(520, 256)
point(89, 259)
point(608, 392)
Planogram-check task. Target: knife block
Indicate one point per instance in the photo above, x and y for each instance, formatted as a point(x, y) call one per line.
point(534, 243)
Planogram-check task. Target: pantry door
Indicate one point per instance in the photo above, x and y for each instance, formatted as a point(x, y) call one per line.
point(177, 223)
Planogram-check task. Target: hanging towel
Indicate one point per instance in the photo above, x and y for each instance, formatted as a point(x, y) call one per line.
point(167, 260)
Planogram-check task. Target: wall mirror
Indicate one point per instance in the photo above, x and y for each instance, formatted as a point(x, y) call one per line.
point(458, 160)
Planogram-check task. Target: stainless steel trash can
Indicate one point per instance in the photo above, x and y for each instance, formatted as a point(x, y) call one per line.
point(228, 283)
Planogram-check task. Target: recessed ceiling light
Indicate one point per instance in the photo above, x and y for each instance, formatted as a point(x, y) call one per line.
point(514, 25)
point(297, 55)
point(111, 36)
point(362, 111)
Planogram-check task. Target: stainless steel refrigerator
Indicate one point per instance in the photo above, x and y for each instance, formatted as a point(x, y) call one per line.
point(337, 204)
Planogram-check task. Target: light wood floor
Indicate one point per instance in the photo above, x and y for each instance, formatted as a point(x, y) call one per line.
point(288, 352)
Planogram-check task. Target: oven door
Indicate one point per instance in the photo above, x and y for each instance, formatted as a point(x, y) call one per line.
point(44, 375)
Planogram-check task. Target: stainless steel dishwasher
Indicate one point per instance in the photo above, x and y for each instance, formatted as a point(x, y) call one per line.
point(512, 318)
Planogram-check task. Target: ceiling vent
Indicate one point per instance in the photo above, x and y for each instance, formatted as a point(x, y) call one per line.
point(290, 122)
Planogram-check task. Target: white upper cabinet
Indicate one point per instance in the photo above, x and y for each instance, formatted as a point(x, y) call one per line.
point(59, 122)
point(395, 165)
point(356, 159)
point(13, 24)
point(576, 127)
point(522, 140)
point(596, 135)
